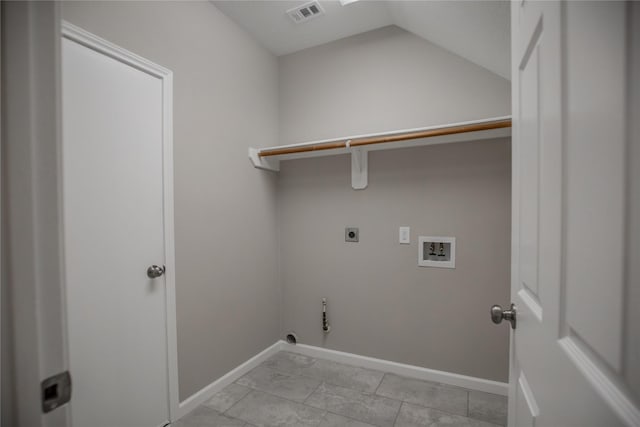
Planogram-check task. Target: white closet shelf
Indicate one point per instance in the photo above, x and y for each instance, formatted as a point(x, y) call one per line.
point(359, 145)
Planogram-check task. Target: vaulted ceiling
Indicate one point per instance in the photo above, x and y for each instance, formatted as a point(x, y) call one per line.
point(476, 30)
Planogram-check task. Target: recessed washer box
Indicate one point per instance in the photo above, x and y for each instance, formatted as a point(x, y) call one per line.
point(437, 251)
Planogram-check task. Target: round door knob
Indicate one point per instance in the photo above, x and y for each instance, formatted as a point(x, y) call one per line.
point(155, 271)
point(498, 315)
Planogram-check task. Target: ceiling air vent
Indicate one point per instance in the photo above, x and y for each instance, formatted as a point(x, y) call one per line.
point(305, 12)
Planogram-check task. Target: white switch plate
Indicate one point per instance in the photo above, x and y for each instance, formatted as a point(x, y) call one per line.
point(405, 235)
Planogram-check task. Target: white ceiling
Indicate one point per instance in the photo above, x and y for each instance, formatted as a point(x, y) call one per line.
point(476, 30)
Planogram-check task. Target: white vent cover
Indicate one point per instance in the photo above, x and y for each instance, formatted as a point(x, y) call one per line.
point(305, 12)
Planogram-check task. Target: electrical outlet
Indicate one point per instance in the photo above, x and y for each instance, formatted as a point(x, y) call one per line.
point(351, 234)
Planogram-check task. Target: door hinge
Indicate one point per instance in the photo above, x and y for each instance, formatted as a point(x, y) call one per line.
point(56, 391)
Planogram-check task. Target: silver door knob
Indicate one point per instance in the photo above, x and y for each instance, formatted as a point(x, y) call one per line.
point(498, 315)
point(155, 271)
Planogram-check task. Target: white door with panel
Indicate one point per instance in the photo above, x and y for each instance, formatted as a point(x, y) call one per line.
point(574, 357)
point(114, 155)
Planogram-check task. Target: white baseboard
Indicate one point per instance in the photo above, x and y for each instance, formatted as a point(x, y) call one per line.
point(198, 398)
point(442, 377)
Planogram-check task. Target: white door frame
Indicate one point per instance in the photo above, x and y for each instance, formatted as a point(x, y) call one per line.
point(78, 35)
point(31, 244)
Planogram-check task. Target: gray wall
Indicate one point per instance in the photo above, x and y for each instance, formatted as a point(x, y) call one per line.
point(632, 338)
point(225, 100)
point(381, 304)
point(385, 79)
point(7, 390)
point(6, 356)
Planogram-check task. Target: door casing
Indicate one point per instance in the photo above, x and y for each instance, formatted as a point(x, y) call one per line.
point(32, 263)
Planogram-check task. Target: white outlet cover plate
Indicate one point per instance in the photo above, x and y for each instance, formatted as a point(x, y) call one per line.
point(405, 235)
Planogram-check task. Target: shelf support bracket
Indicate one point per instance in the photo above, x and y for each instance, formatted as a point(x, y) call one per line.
point(359, 168)
point(262, 162)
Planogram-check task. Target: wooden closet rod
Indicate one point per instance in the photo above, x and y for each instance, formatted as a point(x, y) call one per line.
point(406, 136)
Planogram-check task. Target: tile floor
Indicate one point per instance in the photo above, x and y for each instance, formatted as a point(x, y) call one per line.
point(291, 390)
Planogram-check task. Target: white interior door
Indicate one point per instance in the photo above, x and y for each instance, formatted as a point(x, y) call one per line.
point(573, 357)
point(114, 229)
